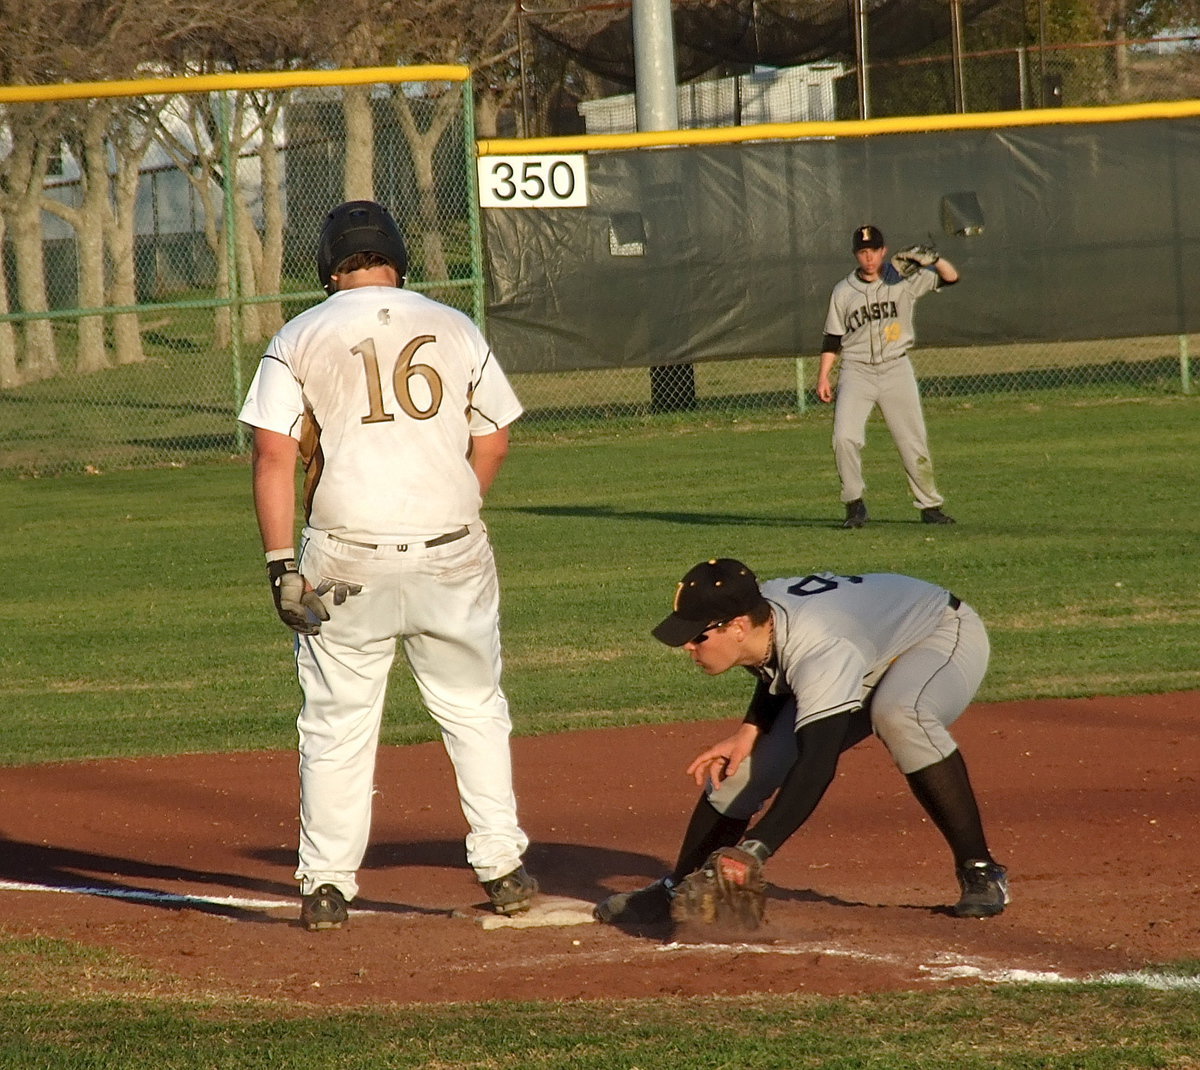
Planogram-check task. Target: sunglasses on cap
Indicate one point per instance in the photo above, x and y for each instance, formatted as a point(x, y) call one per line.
point(703, 636)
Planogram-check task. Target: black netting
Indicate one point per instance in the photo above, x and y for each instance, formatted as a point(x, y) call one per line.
point(709, 33)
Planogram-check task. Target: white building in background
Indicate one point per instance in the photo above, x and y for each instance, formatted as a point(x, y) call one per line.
point(770, 95)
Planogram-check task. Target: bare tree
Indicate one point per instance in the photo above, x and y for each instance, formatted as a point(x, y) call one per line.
point(199, 132)
point(84, 131)
point(410, 32)
point(364, 43)
point(70, 40)
point(268, 255)
point(23, 180)
point(129, 134)
point(27, 52)
point(1123, 20)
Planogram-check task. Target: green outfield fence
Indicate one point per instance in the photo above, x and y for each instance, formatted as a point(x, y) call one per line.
point(156, 232)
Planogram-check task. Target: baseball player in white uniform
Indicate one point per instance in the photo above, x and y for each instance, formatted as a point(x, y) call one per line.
point(834, 658)
point(870, 324)
point(399, 412)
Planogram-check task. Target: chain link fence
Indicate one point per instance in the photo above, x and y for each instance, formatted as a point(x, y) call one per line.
point(786, 386)
point(1094, 74)
point(156, 233)
point(1088, 74)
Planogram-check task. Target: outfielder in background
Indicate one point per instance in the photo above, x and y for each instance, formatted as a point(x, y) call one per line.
point(834, 657)
point(870, 323)
point(399, 412)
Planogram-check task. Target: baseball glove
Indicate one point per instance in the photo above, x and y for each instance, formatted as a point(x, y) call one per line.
point(728, 890)
point(909, 261)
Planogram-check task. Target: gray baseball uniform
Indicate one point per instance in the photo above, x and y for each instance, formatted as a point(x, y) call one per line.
point(835, 656)
point(874, 321)
point(909, 651)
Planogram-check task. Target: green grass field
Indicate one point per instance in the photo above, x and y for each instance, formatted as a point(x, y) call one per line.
point(139, 622)
point(143, 623)
point(1047, 1027)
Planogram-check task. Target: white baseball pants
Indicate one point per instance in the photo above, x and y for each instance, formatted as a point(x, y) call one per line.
point(442, 604)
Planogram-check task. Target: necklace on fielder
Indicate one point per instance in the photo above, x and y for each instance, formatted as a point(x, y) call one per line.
point(760, 669)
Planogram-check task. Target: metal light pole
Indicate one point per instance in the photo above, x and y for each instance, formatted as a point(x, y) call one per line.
point(654, 65)
point(1041, 53)
point(858, 27)
point(956, 63)
point(672, 386)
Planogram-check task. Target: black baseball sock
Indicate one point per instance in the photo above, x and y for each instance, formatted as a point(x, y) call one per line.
point(707, 830)
point(944, 790)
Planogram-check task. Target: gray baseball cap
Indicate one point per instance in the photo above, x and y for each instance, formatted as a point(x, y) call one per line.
point(711, 593)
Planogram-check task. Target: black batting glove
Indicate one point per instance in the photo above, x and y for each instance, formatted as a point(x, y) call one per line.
point(297, 605)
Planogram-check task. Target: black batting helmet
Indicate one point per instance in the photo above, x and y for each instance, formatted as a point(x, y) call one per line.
point(359, 227)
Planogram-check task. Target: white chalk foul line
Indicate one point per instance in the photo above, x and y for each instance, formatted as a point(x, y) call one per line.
point(145, 896)
point(951, 967)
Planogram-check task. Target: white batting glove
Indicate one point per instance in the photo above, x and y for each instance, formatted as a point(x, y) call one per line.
point(297, 605)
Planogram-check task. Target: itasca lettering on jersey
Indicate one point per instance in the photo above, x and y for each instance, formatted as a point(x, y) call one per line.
point(877, 310)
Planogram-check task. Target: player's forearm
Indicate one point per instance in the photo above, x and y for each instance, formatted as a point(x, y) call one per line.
point(487, 456)
point(825, 375)
point(274, 473)
point(819, 744)
point(947, 272)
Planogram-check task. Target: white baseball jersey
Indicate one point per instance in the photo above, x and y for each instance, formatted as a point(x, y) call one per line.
point(383, 388)
point(875, 319)
point(833, 633)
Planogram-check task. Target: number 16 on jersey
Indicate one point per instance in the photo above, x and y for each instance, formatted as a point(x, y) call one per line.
point(533, 182)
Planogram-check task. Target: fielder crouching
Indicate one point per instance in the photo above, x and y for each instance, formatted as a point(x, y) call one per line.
point(835, 658)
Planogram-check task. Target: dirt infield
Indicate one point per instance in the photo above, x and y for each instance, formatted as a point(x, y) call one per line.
point(185, 864)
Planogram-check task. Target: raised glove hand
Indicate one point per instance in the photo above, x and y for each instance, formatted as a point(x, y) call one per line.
point(911, 260)
point(728, 890)
point(297, 605)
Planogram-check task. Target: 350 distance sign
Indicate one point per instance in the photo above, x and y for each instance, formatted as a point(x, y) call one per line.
point(533, 182)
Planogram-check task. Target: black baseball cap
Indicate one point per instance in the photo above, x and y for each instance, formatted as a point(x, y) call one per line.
point(868, 237)
point(711, 593)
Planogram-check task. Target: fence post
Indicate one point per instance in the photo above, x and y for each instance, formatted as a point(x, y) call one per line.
point(801, 392)
point(1185, 365)
point(478, 298)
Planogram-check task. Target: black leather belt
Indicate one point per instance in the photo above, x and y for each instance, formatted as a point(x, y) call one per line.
point(440, 540)
point(954, 601)
point(450, 536)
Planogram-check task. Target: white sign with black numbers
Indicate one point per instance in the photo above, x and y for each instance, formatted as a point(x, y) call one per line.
point(533, 182)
